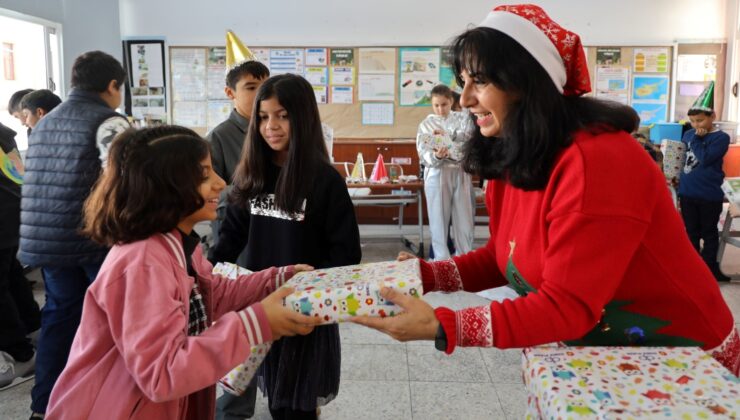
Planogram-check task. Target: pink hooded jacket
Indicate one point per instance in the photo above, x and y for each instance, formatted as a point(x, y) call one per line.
point(132, 357)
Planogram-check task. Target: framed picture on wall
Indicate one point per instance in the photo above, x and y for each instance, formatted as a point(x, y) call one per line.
point(146, 97)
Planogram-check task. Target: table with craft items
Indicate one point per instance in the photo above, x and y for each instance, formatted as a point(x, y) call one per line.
point(395, 195)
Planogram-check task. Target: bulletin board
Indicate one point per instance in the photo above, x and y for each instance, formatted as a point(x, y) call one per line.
point(197, 99)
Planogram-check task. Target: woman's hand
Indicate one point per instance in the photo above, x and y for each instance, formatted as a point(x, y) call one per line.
point(403, 256)
point(416, 322)
point(283, 321)
point(302, 267)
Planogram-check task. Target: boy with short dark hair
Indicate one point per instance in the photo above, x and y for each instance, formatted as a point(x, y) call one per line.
point(699, 189)
point(227, 139)
point(66, 152)
point(36, 104)
point(14, 104)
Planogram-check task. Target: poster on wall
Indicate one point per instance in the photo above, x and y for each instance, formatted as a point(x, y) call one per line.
point(650, 60)
point(342, 70)
point(650, 88)
point(316, 56)
point(262, 55)
point(377, 60)
point(446, 72)
point(608, 56)
point(286, 60)
point(317, 75)
point(419, 73)
point(218, 112)
point(188, 69)
point(321, 94)
point(612, 83)
point(216, 73)
point(696, 67)
point(342, 95)
point(650, 113)
point(376, 87)
point(189, 113)
point(146, 98)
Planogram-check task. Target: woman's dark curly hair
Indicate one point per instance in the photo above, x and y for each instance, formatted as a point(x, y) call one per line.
point(540, 121)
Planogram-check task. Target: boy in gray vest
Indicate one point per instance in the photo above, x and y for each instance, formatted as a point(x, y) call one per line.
point(66, 152)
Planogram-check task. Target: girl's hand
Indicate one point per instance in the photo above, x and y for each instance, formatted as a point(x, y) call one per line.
point(416, 322)
point(302, 267)
point(283, 321)
point(441, 153)
point(403, 256)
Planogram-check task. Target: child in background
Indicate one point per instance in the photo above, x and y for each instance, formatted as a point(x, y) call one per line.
point(699, 188)
point(36, 104)
point(148, 345)
point(289, 204)
point(14, 105)
point(448, 189)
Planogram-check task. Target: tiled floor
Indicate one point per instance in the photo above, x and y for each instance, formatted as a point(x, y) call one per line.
point(384, 379)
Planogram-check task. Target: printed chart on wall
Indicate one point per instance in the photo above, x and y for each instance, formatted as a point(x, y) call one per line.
point(317, 73)
point(145, 60)
point(612, 78)
point(650, 98)
point(446, 72)
point(188, 69)
point(342, 70)
point(219, 105)
point(419, 67)
point(377, 74)
point(693, 74)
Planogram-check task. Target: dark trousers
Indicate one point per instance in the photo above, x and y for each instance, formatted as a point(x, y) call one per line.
point(60, 317)
point(700, 218)
point(233, 407)
point(19, 312)
point(290, 414)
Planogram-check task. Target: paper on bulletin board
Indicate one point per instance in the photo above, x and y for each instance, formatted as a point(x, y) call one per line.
point(262, 55)
point(696, 67)
point(650, 88)
point(377, 113)
point(216, 73)
point(316, 56)
point(419, 74)
point(376, 87)
point(286, 60)
point(612, 83)
point(377, 60)
point(446, 72)
point(608, 56)
point(188, 74)
point(342, 95)
point(189, 113)
point(650, 60)
point(342, 57)
point(650, 113)
point(342, 75)
point(321, 94)
point(317, 76)
point(147, 68)
point(218, 112)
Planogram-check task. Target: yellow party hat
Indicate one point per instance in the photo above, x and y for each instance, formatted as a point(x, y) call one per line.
point(236, 51)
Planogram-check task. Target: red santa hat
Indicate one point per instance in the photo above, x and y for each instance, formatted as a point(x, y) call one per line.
point(558, 50)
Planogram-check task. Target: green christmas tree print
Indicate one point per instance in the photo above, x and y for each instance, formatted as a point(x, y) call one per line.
point(617, 327)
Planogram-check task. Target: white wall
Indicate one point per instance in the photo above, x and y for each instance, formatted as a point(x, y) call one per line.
point(86, 25)
point(409, 22)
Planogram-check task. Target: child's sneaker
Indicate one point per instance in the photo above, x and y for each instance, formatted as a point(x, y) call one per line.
point(10, 369)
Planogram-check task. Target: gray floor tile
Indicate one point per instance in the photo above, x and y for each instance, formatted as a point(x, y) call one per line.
point(359, 400)
point(513, 399)
point(454, 400)
point(429, 364)
point(374, 362)
point(504, 366)
point(455, 301)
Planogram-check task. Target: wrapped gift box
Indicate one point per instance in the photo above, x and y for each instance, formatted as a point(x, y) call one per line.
point(731, 188)
point(627, 383)
point(674, 157)
point(337, 294)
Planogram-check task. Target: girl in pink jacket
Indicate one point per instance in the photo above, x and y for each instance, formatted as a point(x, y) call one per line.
point(158, 329)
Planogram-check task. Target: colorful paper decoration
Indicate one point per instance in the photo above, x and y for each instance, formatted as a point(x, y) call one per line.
point(379, 175)
point(628, 382)
point(337, 294)
point(358, 172)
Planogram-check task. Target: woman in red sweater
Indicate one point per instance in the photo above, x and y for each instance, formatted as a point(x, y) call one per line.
point(582, 225)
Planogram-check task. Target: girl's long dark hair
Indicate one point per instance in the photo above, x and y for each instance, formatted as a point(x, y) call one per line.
point(306, 148)
point(540, 121)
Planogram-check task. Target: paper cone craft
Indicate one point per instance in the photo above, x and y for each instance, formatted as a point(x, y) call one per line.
point(236, 51)
point(358, 172)
point(379, 174)
point(705, 101)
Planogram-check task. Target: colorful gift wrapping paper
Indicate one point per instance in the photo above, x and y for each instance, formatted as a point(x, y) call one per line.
point(337, 294)
point(674, 157)
point(628, 383)
point(237, 380)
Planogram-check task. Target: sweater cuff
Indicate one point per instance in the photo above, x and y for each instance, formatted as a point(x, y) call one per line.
point(446, 276)
point(282, 275)
point(446, 318)
point(474, 327)
point(427, 276)
point(256, 325)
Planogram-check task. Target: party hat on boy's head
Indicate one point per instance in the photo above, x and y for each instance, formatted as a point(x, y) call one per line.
point(236, 51)
point(705, 101)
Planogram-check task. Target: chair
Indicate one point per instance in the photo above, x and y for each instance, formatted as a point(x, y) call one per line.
point(728, 236)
